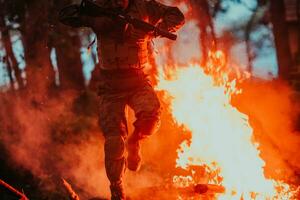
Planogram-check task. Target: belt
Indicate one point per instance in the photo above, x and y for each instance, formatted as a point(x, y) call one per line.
point(118, 80)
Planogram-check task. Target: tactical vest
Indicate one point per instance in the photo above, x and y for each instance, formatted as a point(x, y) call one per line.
point(129, 53)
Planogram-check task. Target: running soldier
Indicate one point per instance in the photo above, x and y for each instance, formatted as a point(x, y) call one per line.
point(123, 53)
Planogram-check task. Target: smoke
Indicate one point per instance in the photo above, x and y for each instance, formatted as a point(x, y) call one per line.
point(88, 172)
point(44, 135)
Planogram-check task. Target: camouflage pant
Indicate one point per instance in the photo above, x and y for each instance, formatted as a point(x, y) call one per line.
point(115, 94)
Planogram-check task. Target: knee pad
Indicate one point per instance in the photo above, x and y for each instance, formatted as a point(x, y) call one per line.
point(114, 147)
point(147, 127)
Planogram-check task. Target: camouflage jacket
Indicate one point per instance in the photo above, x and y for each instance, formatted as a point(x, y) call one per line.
point(123, 47)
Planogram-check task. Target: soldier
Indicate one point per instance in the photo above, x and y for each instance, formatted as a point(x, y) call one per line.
point(123, 53)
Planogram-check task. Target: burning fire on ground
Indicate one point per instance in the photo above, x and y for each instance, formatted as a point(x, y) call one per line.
point(222, 142)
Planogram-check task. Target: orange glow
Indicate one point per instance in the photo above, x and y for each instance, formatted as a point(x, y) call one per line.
point(222, 139)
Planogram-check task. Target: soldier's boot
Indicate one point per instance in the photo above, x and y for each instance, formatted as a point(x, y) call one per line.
point(117, 191)
point(134, 159)
point(115, 165)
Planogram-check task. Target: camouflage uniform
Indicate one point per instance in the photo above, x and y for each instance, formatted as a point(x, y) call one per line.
point(123, 53)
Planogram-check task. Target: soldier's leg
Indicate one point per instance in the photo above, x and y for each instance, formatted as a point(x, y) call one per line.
point(113, 124)
point(146, 106)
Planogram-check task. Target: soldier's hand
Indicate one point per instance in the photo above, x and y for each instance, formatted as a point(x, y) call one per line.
point(69, 15)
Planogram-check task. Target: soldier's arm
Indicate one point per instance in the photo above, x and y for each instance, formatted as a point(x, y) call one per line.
point(166, 17)
point(72, 16)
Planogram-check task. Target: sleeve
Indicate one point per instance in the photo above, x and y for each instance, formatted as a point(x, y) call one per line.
point(166, 17)
point(73, 16)
point(70, 16)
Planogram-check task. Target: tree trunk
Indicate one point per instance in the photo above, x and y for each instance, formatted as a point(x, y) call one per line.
point(12, 64)
point(298, 50)
point(254, 19)
point(280, 30)
point(6, 60)
point(69, 59)
point(67, 43)
point(205, 24)
point(248, 31)
point(39, 74)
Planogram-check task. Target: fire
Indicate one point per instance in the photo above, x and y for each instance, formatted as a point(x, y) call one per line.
point(222, 141)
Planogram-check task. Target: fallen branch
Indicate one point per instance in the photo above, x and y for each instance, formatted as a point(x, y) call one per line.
point(201, 189)
point(205, 190)
point(208, 188)
point(72, 194)
point(12, 189)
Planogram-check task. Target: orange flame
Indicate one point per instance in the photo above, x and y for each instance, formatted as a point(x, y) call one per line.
point(222, 139)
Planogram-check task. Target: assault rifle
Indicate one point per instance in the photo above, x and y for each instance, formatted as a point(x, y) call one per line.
point(92, 9)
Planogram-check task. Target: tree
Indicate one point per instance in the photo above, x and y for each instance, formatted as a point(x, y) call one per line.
point(67, 44)
point(280, 31)
point(298, 17)
point(205, 23)
point(258, 11)
point(12, 65)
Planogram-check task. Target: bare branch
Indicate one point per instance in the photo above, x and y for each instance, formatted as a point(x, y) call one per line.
point(70, 191)
point(12, 189)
